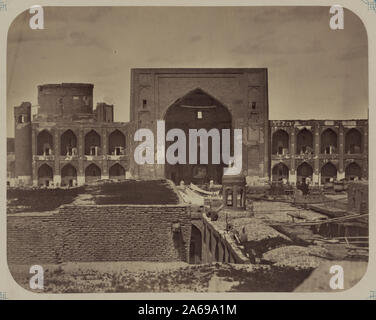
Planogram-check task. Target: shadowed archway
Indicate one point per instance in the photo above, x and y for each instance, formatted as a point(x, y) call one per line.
point(304, 144)
point(197, 110)
point(353, 142)
point(68, 175)
point(92, 143)
point(117, 172)
point(116, 143)
point(353, 171)
point(68, 143)
point(328, 172)
point(280, 171)
point(304, 171)
point(92, 173)
point(45, 143)
point(45, 175)
point(329, 141)
point(280, 142)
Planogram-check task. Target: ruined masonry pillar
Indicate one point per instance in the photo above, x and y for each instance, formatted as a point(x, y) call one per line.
point(57, 176)
point(81, 156)
point(316, 161)
point(341, 171)
point(292, 174)
point(105, 174)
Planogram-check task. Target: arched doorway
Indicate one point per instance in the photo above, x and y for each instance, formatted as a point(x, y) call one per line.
point(68, 143)
point(117, 172)
point(304, 171)
point(328, 172)
point(280, 142)
point(353, 141)
point(195, 250)
point(197, 110)
point(353, 171)
point(92, 143)
point(328, 141)
point(304, 144)
point(68, 175)
point(116, 143)
point(92, 173)
point(280, 172)
point(45, 175)
point(44, 143)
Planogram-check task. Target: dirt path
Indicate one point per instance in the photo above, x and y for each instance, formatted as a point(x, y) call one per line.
point(83, 199)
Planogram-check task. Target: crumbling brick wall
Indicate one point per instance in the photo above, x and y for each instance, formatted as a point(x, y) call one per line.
point(101, 233)
point(31, 239)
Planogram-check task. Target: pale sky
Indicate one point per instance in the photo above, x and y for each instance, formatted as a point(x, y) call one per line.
point(314, 72)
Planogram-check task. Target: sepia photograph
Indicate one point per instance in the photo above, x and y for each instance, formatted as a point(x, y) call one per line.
point(187, 149)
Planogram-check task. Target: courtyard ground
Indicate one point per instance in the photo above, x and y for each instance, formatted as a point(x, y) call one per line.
point(162, 277)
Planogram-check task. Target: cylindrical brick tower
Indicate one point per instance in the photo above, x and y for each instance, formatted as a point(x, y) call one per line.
point(65, 99)
point(22, 143)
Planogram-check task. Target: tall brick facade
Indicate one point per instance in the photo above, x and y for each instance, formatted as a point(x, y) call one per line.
point(243, 92)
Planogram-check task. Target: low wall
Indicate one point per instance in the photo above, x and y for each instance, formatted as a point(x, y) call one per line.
point(218, 245)
point(101, 233)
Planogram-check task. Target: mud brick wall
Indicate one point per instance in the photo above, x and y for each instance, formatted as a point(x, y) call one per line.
point(31, 239)
point(101, 233)
point(109, 233)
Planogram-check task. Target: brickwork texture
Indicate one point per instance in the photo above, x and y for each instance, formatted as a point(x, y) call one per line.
point(101, 233)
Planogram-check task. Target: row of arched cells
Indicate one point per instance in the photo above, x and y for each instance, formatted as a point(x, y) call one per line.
point(328, 171)
point(329, 142)
point(69, 143)
point(69, 174)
